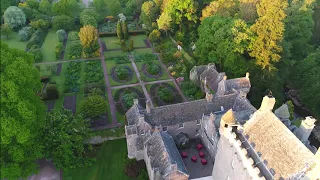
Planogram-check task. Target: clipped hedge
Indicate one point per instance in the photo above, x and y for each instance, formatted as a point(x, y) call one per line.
point(37, 38)
point(145, 57)
point(119, 59)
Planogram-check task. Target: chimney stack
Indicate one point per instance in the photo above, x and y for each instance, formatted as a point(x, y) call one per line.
point(225, 77)
point(268, 103)
point(209, 97)
point(305, 129)
point(247, 75)
point(148, 107)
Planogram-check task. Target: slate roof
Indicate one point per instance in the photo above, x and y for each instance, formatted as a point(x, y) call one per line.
point(213, 77)
point(133, 115)
point(164, 154)
point(282, 150)
point(237, 83)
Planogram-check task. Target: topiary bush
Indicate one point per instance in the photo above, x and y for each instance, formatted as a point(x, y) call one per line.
point(152, 68)
point(165, 94)
point(128, 97)
point(52, 92)
point(93, 106)
point(37, 38)
point(61, 35)
point(121, 72)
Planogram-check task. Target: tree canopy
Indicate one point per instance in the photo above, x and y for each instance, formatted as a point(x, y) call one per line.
point(22, 114)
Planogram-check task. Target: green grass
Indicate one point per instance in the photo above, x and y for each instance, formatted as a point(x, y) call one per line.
point(142, 51)
point(138, 40)
point(164, 74)
point(110, 164)
point(14, 42)
point(111, 42)
point(114, 53)
point(48, 47)
point(297, 122)
point(111, 64)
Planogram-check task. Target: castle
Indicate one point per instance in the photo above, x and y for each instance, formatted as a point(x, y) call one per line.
point(242, 142)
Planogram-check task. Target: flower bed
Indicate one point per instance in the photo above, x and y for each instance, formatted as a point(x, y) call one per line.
point(108, 27)
point(72, 77)
point(93, 72)
point(121, 73)
point(145, 57)
point(152, 70)
point(164, 94)
point(124, 98)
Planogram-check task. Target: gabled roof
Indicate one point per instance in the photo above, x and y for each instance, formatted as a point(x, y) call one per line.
point(237, 84)
point(164, 154)
point(280, 148)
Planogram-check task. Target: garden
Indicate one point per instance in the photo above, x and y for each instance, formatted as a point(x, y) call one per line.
point(164, 94)
point(124, 99)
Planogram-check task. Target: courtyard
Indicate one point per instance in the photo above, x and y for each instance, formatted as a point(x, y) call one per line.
point(197, 169)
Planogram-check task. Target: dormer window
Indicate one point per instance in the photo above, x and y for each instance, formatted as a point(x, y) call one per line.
point(222, 108)
point(181, 125)
point(164, 128)
point(142, 132)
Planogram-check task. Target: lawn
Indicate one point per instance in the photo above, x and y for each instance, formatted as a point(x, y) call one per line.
point(148, 79)
point(14, 42)
point(110, 164)
point(48, 47)
point(142, 51)
point(111, 42)
point(111, 64)
point(138, 40)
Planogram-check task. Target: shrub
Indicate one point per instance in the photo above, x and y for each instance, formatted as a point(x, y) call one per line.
point(63, 22)
point(131, 45)
point(177, 54)
point(119, 30)
point(152, 68)
point(52, 92)
point(154, 36)
point(128, 98)
point(73, 36)
point(145, 57)
point(14, 17)
point(40, 23)
point(75, 50)
point(93, 106)
point(179, 36)
point(191, 90)
point(124, 28)
point(61, 34)
point(72, 77)
point(5, 30)
point(121, 72)
point(165, 95)
point(120, 59)
point(291, 109)
point(58, 50)
point(37, 38)
point(25, 33)
point(124, 46)
point(89, 17)
point(90, 86)
point(36, 51)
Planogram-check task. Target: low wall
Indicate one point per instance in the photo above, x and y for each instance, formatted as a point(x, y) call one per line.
point(99, 139)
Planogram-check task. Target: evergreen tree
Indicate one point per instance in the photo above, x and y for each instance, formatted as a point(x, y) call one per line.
point(269, 29)
point(119, 30)
point(131, 45)
point(124, 28)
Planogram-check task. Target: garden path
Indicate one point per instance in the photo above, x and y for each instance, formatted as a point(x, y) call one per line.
point(142, 84)
point(62, 61)
point(173, 79)
point(108, 87)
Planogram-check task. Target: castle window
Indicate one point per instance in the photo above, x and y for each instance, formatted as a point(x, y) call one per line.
point(222, 108)
point(164, 128)
point(142, 132)
point(181, 125)
point(198, 121)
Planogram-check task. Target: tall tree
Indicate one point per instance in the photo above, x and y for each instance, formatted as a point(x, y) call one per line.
point(299, 25)
point(269, 29)
point(22, 114)
point(221, 7)
point(45, 7)
point(149, 12)
point(119, 31)
point(220, 42)
point(248, 10)
point(63, 137)
point(89, 17)
point(89, 41)
point(66, 7)
point(114, 7)
point(164, 22)
point(124, 28)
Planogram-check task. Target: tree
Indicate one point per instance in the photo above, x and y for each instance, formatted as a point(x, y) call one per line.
point(5, 30)
point(45, 7)
point(93, 106)
point(218, 43)
point(25, 33)
point(61, 35)
point(124, 46)
point(305, 78)
point(114, 7)
point(248, 10)
point(130, 45)
point(22, 114)
point(119, 30)
point(299, 25)
point(124, 28)
point(66, 7)
point(164, 22)
point(43, 24)
point(33, 4)
point(221, 7)
point(89, 17)
point(89, 41)
point(63, 22)
point(63, 138)
point(149, 12)
point(101, 8)
point(269, 29)
point(154, 36)
point(14, 17)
